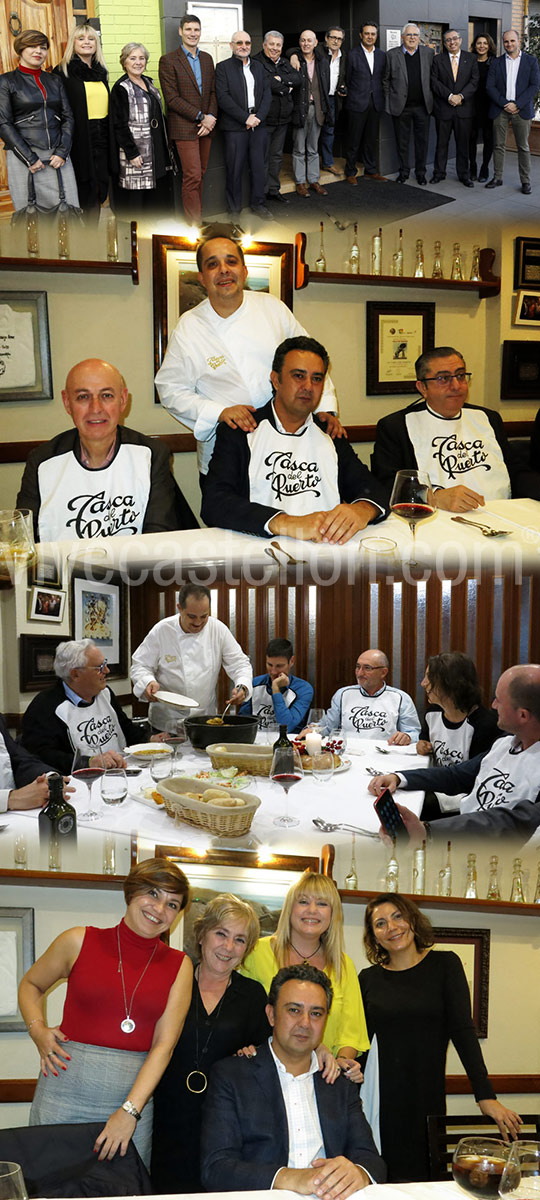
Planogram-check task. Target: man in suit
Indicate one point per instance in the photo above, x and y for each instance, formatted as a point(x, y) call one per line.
point(366, 68)
point(23, 776)
point(311, 111)
point(512, 83)
point(409, 98)
point(284, 81)
point(337, 59)
point(187, 82)
point(454, 80)
point(271, 1121)
point(244, 97)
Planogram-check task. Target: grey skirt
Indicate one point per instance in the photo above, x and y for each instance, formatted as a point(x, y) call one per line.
point(95, 1084)
point(45, 183)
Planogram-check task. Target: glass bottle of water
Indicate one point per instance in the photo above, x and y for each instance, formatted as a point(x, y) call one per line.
point(494, 891)
point(376, 253)
point(320, 262)
point(471, 885)
point(457, 265)
point(437, 272)
point(419, 270)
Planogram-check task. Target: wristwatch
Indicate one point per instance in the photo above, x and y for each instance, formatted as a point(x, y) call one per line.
point(129, 1107)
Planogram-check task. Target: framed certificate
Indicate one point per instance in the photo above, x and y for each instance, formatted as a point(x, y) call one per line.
point(396, 334)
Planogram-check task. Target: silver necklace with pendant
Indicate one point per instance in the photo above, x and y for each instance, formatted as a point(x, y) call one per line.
point(128, 1024)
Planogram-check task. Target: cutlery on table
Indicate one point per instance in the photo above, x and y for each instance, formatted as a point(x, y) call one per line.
point(330, 827)
point(487, 530)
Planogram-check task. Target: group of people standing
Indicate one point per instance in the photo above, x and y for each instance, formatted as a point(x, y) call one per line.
point(160, 1026)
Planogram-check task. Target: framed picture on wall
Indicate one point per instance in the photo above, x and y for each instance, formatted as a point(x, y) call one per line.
point(396, 334)
point(16, 957)
point(527, 309)
point(25, 352)
point(520, 374)
point(472, 946)
point(46, 604)
point(36, 660)
point(526, 262)
point(177, 288)
point(99, 612)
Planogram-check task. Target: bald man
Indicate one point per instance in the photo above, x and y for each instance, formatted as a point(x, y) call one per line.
point(244, 97)
point(100, 479)
point(371, 708)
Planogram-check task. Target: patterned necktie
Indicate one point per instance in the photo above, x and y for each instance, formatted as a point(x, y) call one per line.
point(454, 65)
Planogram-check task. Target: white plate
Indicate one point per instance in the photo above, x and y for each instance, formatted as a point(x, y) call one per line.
point(141, 750)
point(344, 765)
point(176, 699)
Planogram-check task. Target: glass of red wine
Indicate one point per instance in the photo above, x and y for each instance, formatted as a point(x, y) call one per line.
point(88, 768)
point(478, 1165)
point(286, 770)
point(412, 500)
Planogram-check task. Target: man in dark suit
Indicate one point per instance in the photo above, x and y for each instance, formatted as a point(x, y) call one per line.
point(283, 82)
point(23, 776)
point(337, 59)
point(250, 1138)
point(310, 113)
point(407, 85)
point(187, 82)
point(366, 68)
point(512, 83)
point(244, 97)
point(454, 80)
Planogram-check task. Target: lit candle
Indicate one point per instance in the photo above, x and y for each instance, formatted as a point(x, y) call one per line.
point(313, 743)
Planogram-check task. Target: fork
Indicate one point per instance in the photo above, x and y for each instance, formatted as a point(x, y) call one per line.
point(288, 556)
point(487, 531)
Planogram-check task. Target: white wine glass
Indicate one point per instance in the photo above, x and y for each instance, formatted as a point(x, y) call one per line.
point(12, 1185)
point(412, 500)
point(286, 770)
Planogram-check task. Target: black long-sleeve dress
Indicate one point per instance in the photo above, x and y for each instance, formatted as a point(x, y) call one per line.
point(238, 1020)
point(415, 1013)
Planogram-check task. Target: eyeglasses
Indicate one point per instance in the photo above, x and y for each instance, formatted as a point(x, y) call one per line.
point(101, 667)
point(335, 37)
point(366, 667)
point(445, 378)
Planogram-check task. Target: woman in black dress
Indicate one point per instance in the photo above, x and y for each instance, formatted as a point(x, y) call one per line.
point(84, 75)
point(227, 1012)
point(485, 50)
point(416, 1001)
point(456, 726)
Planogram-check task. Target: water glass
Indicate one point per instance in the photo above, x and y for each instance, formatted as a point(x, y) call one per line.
point(521, 1175)
point(161, 766)
point(322, 766)
point(12, 1185)
point(113, 785)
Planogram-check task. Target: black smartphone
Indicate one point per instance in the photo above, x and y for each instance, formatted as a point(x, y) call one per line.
point(389, 815)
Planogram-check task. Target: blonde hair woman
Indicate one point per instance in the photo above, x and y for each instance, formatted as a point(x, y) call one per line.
point(310, 929)
point(84, 74)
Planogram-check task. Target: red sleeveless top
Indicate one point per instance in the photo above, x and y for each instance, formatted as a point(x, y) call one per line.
point(94, 1007)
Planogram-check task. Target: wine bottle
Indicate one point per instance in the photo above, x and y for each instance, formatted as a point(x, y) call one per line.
point(282, 741)
point(376, 253)
point(58, 820)
point(392, 871)
point(320, 262)
point(419, 871)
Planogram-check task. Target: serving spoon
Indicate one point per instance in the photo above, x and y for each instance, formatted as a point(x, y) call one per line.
point(487, 531)
point(329, 827)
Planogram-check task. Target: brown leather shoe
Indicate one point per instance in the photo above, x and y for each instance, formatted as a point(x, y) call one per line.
point(316, 187)
point(333, 170)
point(379, 178)
point(352, 180)
point(302, 189)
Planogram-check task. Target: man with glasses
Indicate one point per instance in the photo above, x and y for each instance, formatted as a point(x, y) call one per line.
point(244, 97)
point(454, 80)
point(79, 712)
point(410, 99)
point(463, 448)
point(337, 91)
point(372, 708)
point(512, 83)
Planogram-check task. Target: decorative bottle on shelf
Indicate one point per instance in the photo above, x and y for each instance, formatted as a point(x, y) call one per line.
point(397, 257)
point(112, 238)
point(494, 891)
point(471, 885)
point(58, 820)
point(392, 871)
point(351, 880)
point(445, 874)
point(475, 264)
point(282, 741)
point(437, 272)
point(354, 256)
point(320, 262)
point(517, 894)
point(419, 871)
point(457, 265)
point(376, 253)
point(537, 889)
point(32, 233)
point(419, 271)
point(63, 235)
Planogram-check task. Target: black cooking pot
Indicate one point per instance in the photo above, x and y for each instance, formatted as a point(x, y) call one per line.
point(236, 727)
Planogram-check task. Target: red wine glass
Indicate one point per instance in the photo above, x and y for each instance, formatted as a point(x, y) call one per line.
point(88, 768)
point(286, 770)
point(412, 500)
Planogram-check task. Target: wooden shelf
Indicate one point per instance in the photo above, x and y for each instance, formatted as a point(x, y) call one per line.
point(451, 902)
point(73, 266)
point(489, 285)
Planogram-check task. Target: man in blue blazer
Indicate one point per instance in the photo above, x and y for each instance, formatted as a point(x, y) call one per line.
point(271, 1121)
point(512, 83)
point(366, 67)
point(244, 97)
point(454, 80)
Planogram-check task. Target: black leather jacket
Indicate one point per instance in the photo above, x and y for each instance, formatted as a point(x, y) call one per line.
point(29, 123)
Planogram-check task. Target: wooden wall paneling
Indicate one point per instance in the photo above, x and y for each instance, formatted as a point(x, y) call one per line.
point(409, 605)
point(458, 617)
point(300, 635)
point(282, 606)
point(263, 633)
point(511, 622)
point(484, 632)
point(534, 618)
point(386, 601)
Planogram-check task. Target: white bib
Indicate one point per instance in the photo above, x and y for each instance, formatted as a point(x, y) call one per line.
point(462, 450)
point(262, 707)
point(370, 716)
point(450, 746)
point(295, 473)
point(93, 727)
point(505, 776)
point(79, 503)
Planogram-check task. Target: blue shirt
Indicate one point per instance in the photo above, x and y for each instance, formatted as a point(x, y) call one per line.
point(195, 65)
point(293, 716)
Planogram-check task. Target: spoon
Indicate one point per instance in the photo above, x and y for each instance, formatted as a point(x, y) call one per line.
point(487, 531)
point(329, 827)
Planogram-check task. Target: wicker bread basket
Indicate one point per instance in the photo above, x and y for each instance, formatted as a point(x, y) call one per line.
point(232, 822)
point(256, 760)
